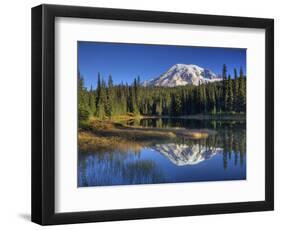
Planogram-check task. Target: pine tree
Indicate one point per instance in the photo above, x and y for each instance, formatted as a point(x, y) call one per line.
point(219, 98)
point(136, 91)
point(133, 108)
point(230, 94)
point(104, 98)
point(235, 92)
point(101, 98)
point(202, 99)
point(225, 86)
point(212, 99)
point(176, 104)
point(110, 97)
point(83, 107)
point(158, 106)
point(98, 90)
point(242, 92)
point(92, 101)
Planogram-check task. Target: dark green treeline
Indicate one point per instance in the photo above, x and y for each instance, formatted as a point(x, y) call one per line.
point(226, 96)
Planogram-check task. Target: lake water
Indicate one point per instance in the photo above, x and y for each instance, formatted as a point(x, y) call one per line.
point(221, 156)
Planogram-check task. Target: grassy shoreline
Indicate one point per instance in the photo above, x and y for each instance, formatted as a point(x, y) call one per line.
point(111, 134)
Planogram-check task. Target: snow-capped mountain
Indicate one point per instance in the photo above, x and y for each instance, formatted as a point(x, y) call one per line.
point(183, 74)
point(182, 154)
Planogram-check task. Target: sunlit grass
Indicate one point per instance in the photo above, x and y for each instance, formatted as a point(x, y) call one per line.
point(90, 142)
point(108, 135)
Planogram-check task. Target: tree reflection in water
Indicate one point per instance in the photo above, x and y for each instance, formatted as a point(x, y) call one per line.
point(219, 157)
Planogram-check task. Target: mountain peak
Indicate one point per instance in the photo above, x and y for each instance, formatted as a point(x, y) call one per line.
point(183, 74)
point(181, 65)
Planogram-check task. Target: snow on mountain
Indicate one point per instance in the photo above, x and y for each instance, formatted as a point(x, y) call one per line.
point(183, 74)
point(182, 154)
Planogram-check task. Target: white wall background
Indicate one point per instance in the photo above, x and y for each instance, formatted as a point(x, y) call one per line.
point(15, 118)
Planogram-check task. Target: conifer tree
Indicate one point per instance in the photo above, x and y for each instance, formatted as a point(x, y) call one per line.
point(92, 101)
point(235, 91)
point(176, 104)
point(212, 99)
point(83, 107)
point(101, 98)
point(242, 92)
point(110, 97)
point(225, 86)
point(230, 94)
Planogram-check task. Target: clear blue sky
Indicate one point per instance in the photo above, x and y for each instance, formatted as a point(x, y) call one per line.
point(126, 61)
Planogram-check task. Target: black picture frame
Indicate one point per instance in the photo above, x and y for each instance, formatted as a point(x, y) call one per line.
point(43, 114)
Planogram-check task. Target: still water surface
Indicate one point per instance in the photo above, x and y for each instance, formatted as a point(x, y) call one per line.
point(221, 156)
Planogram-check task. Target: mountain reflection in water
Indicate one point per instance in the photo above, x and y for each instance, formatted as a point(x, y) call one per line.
point(219, 157)
point(182, 154)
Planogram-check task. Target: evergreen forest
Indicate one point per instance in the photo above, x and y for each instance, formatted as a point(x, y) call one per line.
point(227, 96)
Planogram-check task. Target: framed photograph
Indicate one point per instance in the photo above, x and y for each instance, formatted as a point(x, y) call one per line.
point(142, 114)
